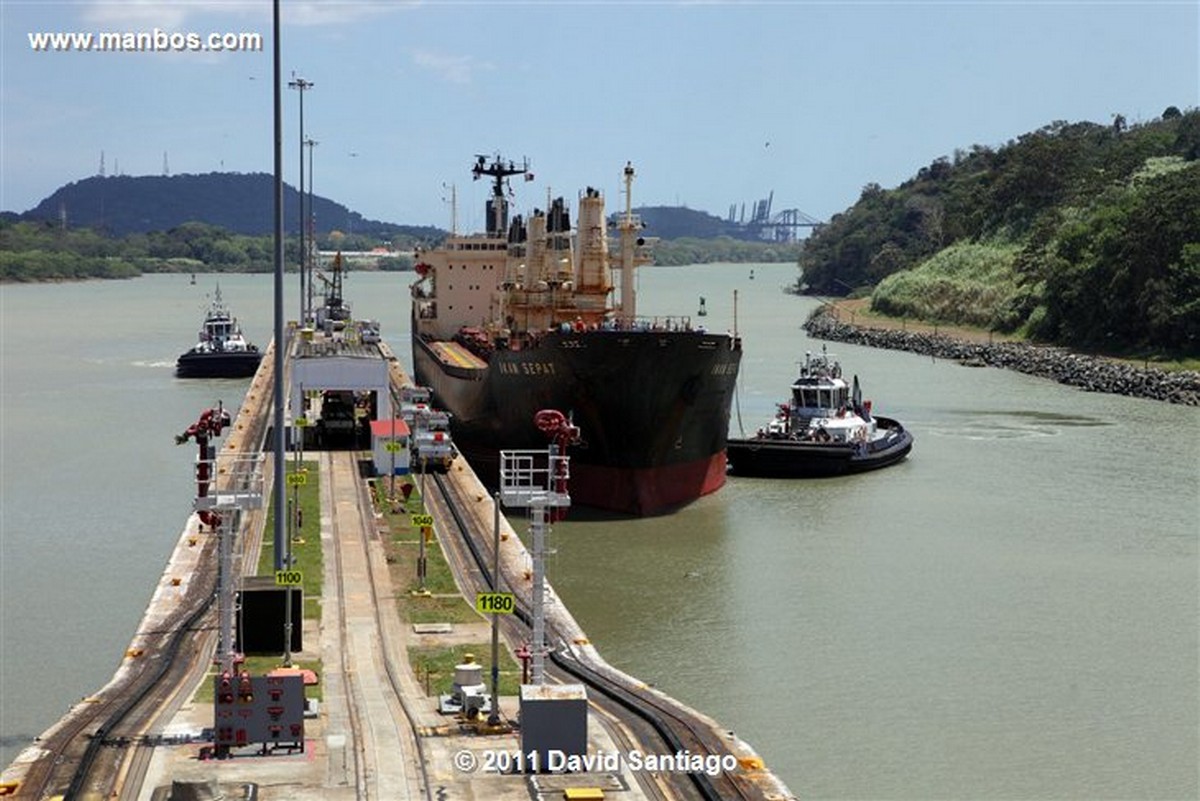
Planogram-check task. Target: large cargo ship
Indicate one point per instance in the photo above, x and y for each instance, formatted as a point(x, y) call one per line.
point(533, 315)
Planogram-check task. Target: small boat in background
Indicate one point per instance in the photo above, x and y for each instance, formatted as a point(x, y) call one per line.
point(825, 429)
point(222, 351)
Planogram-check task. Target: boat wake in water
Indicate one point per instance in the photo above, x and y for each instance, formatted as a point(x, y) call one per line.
point(1013, 424)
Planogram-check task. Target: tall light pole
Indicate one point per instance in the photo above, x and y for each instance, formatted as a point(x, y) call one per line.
point(301, 85)
point(309, 263)
point(278, 489)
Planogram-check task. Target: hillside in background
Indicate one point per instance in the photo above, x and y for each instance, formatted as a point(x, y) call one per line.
point(1077, 233)
point(124, 226)
point(238, 202)
point(241, 204)
point(676, 222)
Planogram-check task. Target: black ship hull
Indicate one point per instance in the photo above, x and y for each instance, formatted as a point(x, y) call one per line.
point(787, 458)
point(652, 408)
point(239, 364)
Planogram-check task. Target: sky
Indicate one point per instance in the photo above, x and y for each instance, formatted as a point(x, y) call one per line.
point(716, 104)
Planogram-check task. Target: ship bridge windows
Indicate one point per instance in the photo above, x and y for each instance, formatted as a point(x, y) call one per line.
point(821, 398)
point(480, 246)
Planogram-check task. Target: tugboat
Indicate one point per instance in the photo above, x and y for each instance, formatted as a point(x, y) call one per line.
point(222, 351)
point(825, 429)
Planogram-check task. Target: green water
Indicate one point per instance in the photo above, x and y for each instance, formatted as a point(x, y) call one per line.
point(1011, 613)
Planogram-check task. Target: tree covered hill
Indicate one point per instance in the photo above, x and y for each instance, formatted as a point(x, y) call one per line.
point(1077, 233)
point(242, 204)
point(678, 222)
point(123, 226)
point(237, 202)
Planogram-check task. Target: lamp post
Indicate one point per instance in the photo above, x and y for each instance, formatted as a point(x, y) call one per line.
point(301, 85)
point(277, 219)
point(308, 263)
point(494, 717)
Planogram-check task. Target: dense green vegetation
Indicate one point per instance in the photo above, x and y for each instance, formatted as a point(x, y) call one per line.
point(42, 251)
point(123, 226)
point(966, 283)
point(690, 250)
point(1077, 233)
point(34, 251)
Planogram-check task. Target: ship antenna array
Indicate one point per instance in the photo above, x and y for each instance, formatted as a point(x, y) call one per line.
point(499, 171)
point(628, 228)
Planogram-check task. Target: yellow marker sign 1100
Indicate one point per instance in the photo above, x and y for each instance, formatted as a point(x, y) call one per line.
point(288, 578)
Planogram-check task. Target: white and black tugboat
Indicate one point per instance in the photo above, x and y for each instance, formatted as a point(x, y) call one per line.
point(825, 429)
point(222, 351)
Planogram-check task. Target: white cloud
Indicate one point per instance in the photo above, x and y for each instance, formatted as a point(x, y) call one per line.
point(338, 12)
point(145, 14)
point(455, 69)
point(136, 14)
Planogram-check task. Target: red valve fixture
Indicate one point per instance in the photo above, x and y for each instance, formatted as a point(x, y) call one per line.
point(525, 655)
point(211, 423)
point(245, 689)
point(562, 433)
point(225, 690)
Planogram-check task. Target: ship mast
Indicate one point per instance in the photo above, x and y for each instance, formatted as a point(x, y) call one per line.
point(628, 226)
point(497, 206)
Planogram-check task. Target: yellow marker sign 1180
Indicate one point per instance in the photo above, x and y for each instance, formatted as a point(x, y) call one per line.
point(495, 603)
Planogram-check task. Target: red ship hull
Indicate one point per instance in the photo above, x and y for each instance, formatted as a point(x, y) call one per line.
point(646, 491)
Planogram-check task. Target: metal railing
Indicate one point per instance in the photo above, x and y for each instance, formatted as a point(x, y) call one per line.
point(534, 478)
point(235, 482)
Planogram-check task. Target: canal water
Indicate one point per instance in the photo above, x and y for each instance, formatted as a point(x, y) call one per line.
point(1011, 613)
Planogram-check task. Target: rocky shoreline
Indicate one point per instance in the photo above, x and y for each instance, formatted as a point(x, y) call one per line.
point(1086, 372)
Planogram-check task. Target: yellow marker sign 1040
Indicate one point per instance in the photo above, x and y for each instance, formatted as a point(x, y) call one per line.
point(422, 520)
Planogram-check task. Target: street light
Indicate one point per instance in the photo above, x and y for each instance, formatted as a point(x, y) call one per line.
point(307, 263)
point(301, 85)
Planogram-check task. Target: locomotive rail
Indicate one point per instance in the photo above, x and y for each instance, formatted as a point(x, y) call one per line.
point(672, 728)
point(103, 745)
point(372, 739)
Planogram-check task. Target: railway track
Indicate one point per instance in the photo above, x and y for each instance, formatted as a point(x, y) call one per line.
point(660, 722)
point(103, 747)
point(84, 754)
point(381, 722)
